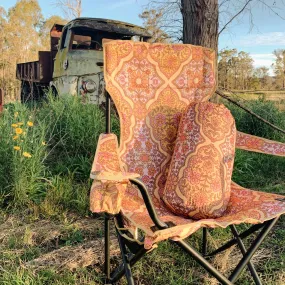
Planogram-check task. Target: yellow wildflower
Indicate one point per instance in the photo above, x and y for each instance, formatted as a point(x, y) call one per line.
point(17, 147)
point(16, 114)
point(20, 123)
point(27, 154)
point(30, 124)
point(18, 131)
point(15, 137)
point(14, 125)
point(44, 143)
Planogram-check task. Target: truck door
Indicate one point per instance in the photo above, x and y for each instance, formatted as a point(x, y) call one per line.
point(61, 63)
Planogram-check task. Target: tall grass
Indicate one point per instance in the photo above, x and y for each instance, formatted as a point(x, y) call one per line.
point(73, 135)
point(256, 170)
point(59, 138)
point(46, 153)
point(251, 125)
point(23, 148)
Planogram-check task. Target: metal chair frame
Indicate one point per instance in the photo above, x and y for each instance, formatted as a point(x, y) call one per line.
point(137, 251)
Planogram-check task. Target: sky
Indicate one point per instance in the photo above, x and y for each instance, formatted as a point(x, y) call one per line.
point(267, 34)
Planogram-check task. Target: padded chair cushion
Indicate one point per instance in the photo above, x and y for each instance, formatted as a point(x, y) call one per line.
point(199, 179)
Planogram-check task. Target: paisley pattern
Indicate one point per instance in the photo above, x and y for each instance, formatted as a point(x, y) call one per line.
point(198, 183)
point(106, 193)
point(141, 81)
point(257, 144)
point(245, 206)
point(106, 157)
point(149, 119)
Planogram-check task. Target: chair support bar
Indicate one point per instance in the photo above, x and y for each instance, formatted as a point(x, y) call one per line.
point(107, 246)
point(126, 261)
point(204, 242)
point(149, 205)
point(203, 262)
point(108, 112)
point(119, 272)
point(243, 251)
point(234, 241)
point(248, 255)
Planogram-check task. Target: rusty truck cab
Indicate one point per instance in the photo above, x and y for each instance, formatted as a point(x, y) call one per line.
point(78, 64)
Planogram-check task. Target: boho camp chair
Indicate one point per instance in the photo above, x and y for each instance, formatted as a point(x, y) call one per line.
point(151, 85)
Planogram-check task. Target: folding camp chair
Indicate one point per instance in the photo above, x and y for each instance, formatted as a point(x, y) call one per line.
point(151, 85)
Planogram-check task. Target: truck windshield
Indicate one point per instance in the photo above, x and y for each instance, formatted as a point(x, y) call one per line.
point(84, 40)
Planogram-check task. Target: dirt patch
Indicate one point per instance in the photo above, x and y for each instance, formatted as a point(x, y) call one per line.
point(46, 232)
point(73, 257)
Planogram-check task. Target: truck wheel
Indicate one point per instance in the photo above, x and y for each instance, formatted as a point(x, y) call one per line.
point(54, 92)
point(25, 92)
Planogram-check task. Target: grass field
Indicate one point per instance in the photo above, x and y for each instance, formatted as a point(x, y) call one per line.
point(47, 234)
point(277, 97)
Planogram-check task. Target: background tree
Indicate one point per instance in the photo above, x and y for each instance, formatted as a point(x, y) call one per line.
point(71, 8)
point(225, 67)
point(236, 70)
point(23, 32)
point(200, 22)
point(152, 22)
point(3, 46)
point(279, 67)
point(262, 73)
point(193, 21)
point(21, 41)
point(45, 28)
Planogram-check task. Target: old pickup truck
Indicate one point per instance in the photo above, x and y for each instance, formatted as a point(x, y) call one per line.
point(74, 64)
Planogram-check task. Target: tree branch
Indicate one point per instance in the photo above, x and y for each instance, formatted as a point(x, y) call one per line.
point(223, 95)
point(236, 15)
point(271, 9)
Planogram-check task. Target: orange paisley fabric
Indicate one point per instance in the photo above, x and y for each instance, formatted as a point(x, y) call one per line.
point(151, 85)
point(110, 182)
point(257, 144)
point(199, 179)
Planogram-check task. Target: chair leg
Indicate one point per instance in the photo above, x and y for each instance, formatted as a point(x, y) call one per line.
point(107, 247)
point(126, 260)
point(119, 272)
point(243, 251)
point(232, 242)
point(204, 263)
point(204, 242)
point(248, 255)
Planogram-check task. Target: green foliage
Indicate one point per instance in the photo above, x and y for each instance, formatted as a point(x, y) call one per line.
point(47, 164)
point(74, 135)
point(251, 125)
point(253, 169)
point(24, 151)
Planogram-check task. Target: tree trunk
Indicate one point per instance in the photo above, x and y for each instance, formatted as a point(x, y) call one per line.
point(200, 22)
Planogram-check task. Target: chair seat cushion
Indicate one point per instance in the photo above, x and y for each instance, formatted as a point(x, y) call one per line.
point(245, 206)
point(198, 183)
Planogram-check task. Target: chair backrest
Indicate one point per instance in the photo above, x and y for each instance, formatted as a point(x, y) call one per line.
point(151, 85)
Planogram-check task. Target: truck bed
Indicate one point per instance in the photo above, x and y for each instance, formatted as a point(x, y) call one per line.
point(36, 71)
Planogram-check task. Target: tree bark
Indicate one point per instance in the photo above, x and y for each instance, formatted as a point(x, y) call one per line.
point(200, 22)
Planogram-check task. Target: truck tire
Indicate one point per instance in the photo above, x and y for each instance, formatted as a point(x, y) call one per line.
point(25, 92)
point(54, 92)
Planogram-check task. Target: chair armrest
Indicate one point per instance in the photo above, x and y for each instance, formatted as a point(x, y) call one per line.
point(258, 144)
point(106, 156)
point(113, 176)
point(149, 205)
